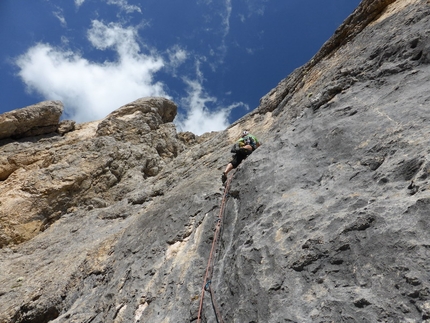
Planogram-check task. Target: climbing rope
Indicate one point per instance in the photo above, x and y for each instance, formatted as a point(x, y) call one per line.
point(215, 307)
point(209, 268)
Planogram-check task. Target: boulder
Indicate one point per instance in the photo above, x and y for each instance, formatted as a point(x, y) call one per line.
point(34, 120)
point(66, 126)
point(133, 121)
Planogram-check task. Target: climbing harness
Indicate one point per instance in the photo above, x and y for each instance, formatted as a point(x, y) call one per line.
point(209, 268)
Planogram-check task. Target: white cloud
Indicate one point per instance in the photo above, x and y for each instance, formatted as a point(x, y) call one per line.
point(123, 4)
point(91, 90)
point(217, 27)
point(177, 56)
point(256, 7)
point(59, 15)
point(226, 30)
point(199, 118)
point(123, 40)
point(226, 18)
point(78, 3)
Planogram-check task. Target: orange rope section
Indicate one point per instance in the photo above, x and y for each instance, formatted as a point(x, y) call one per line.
point(209, 268)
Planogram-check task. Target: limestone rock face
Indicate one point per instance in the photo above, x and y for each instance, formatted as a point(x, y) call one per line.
point(137, 122)
point(66, 126)
point(38, 119)
point(326, 222)
point(47, 177)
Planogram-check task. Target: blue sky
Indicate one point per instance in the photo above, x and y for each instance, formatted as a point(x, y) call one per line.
point(214, 58)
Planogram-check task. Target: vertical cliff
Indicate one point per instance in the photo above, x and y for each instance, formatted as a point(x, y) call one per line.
point(327, 221)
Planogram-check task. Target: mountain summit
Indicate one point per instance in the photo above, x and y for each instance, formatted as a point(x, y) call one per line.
point(328, 221)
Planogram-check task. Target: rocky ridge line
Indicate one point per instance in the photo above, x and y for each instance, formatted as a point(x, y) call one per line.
point(80, 167)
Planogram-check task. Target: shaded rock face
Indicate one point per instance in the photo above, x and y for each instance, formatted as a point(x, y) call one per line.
point(326, 222)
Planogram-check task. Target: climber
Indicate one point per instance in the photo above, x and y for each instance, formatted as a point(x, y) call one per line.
point(241, 149)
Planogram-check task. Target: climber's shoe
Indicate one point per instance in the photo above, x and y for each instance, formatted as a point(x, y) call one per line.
point(223, 177)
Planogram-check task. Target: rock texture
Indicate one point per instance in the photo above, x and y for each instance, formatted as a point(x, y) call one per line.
point(47, 177)
point(38, 119)
point(327, 221)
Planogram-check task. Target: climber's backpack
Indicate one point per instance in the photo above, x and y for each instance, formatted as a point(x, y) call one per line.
point(250, 141)
point(235, 148)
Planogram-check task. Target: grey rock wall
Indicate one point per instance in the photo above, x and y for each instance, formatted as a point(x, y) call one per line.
point(330, 223)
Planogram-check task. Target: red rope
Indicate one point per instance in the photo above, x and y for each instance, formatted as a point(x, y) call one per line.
point(209, 267)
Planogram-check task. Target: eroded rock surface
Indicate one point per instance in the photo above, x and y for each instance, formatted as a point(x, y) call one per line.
point(44, 178)
point(326, 222)
point(38, 119)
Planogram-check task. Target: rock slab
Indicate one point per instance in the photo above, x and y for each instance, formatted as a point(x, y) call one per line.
point(38, 119)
